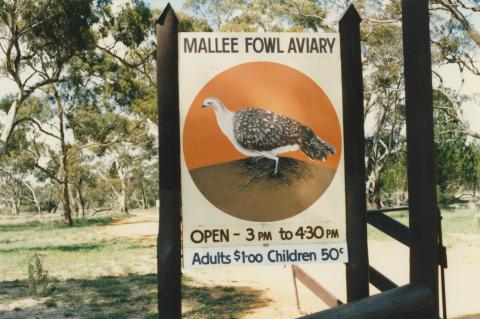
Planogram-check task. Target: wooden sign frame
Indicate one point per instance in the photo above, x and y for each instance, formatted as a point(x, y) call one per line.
point(420, 298)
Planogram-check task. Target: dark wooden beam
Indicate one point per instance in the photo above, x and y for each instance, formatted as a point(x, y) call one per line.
point(390, 226)
point(168, 245)
point(388, 210)
point(354, 150)
point(380, 281)
point(411, 301)
point(422, 195)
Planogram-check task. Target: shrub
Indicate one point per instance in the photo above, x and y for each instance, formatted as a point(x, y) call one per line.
point(39, 283)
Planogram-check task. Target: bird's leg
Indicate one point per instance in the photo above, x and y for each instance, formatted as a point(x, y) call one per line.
point(276, 159)
point(275, 171)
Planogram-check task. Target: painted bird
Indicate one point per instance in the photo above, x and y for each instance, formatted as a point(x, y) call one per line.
point(256, 132)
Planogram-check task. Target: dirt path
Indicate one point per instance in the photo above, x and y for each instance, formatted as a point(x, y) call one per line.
point(462, 276)
point(144, 225)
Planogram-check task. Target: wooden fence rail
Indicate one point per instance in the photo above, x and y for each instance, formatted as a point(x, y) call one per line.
point(410, 301)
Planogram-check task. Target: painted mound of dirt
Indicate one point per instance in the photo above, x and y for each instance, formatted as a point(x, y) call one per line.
point(247, 188)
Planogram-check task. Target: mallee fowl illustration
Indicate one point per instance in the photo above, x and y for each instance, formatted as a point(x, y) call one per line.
point(256, 132)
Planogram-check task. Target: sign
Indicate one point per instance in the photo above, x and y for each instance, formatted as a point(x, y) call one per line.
point(262, 154)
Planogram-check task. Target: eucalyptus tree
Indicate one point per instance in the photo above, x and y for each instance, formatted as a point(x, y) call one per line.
point(62, 50)
point(82, 178)
point(108, 125)
point(37, 39)
point(143, 183)
point(16, 165)
point(261, 15)
point(48, 149)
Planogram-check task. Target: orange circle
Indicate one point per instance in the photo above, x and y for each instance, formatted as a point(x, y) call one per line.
point(267, 85)
point(218, 169)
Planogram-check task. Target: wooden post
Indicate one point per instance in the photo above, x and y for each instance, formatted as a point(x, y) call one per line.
point(424, 219)
point(168, 245)
point(407, 302)
point(354, 145)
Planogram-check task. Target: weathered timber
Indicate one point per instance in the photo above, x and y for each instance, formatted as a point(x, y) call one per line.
point(168, 246)
point(410, 301)
point(424, 218)
point(354, 145)
point(390, 226)
point(315, 287)
point(380, 281)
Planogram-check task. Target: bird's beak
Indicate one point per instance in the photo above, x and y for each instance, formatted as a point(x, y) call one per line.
point(204, 105)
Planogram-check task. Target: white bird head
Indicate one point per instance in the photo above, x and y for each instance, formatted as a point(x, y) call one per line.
point(213, 102)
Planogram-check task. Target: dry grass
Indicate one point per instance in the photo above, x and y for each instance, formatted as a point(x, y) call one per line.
point(460, 226)
point(98, 274)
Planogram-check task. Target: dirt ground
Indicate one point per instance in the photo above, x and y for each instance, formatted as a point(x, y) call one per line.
point(462, 275)
point(239, 188)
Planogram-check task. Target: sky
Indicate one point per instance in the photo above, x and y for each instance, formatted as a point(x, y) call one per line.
point(176, 4)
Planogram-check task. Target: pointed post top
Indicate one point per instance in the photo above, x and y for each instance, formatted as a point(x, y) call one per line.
point(168, 11)
point(351, 15)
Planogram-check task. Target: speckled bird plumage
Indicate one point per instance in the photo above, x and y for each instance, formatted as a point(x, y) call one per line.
point(259, 132)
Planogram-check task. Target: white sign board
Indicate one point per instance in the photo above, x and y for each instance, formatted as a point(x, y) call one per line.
point(262, 154)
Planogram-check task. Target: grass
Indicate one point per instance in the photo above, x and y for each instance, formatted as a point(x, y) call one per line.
point(221, 302)
point(456, 224)
point(59, 224)
point(98, 275)
point(127, 296)
point(87, 251)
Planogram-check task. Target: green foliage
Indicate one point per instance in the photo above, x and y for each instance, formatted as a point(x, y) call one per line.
point(450, 149)
point(62, 27)
point(39, 282)
point(189, 23)
point(261, 15)
point(133, 24)
point(393, 181)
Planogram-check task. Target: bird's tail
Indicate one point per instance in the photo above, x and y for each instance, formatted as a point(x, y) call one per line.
point(314, 147)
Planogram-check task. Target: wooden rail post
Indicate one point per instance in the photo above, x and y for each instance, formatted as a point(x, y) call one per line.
point(406, 302)
point(168, 242)
point(424, 219)
point(354, 145)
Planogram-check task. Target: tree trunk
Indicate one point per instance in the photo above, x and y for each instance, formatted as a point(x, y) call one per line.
point(377, 198)
point(34, 196)
point(74, 203)
point(81, 201)
point(67, 211)
point(8, 124)
point(373, 188)
point(15, 207)
point(144, 198)
point(37, 204)
point(122, 202)
point(122, 197)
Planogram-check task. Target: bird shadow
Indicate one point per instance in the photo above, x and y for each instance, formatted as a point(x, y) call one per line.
point(261, 168)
